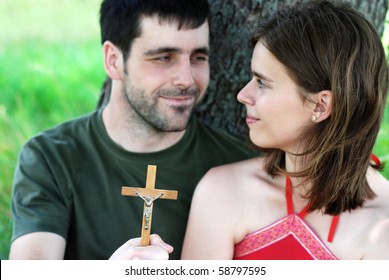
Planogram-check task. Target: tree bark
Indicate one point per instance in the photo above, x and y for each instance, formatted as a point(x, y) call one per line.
point(231, 24)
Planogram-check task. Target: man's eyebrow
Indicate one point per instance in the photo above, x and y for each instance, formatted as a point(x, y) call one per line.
point(162, 50)
point(261, 76)
point(202, 51)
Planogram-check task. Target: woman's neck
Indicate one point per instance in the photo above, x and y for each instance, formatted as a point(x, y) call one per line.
point(300, 185)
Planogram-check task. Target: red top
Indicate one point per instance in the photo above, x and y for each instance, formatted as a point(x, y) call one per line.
point(287, 239)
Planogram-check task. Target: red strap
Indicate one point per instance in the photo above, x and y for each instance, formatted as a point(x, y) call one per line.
point(334, 224)
point(303, 213)
point(288, 194)
point(375, 159)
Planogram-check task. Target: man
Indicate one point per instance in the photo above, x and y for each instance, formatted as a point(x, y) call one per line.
point(66, 199)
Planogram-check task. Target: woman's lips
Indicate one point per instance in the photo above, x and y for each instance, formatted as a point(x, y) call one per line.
point(251, 119)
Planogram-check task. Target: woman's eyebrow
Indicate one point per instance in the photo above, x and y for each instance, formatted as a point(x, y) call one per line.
point(261, 76)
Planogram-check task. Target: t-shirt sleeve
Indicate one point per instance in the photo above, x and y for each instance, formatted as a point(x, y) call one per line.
point(38, 202)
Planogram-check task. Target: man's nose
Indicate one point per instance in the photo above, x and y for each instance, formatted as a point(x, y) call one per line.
point(183, 76)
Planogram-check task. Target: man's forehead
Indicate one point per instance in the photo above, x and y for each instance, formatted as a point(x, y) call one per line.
point(156, 35)
point(148, 23)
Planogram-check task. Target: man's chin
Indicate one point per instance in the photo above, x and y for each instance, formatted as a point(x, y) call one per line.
point(177, 128)
point(177, 125)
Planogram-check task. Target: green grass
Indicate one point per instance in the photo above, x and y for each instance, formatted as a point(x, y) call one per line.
point(62, 81)
point(51, 70)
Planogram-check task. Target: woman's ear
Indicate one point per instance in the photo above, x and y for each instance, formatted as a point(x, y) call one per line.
point(113, 61)
point(323, 106)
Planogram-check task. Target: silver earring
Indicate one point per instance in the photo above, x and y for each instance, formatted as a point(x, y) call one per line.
point(313, 118)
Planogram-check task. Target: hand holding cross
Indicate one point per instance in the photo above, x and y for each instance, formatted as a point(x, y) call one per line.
point(149, 194)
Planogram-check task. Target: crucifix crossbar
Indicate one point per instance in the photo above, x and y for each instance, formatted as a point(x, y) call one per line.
point(149, 194)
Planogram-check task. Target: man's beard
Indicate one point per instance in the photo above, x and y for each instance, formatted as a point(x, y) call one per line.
point(146, 108)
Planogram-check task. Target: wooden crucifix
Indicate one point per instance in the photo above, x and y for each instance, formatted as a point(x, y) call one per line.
point(148, 194)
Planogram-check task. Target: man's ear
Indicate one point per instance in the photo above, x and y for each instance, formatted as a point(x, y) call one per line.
point(323, 106)
point(113, 61)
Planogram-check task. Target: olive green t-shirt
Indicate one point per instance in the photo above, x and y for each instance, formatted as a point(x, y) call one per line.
point(69, 178)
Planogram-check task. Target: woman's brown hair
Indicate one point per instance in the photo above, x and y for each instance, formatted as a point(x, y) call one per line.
point(331, 46)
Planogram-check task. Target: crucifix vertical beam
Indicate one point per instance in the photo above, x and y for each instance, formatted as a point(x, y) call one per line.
point(149, 194)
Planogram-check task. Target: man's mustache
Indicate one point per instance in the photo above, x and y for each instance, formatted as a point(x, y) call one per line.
point(179, 92)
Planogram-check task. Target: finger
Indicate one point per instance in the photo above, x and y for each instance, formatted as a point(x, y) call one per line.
point(131, 250)
point(155, 239)
point(152, 252)
point(133, 242)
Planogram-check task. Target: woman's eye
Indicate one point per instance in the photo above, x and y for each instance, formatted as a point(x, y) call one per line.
point(261, 84)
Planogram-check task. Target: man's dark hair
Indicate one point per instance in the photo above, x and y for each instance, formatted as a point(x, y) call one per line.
point(120, 19)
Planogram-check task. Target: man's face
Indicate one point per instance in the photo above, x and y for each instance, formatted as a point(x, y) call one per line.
point(166, 73)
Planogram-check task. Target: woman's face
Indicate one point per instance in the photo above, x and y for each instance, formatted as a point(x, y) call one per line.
point(276, 113)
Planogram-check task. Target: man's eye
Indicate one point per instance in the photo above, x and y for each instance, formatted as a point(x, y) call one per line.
point(163, 58)
point(200, 58)
point(203, 58)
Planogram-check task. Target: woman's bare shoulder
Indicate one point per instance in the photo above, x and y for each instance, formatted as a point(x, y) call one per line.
point(378, 225)
point(230, 176)
point(246, 167)
point(380, 186)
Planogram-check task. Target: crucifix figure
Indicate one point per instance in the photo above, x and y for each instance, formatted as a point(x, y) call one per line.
point(149, 194)
point(147, 210)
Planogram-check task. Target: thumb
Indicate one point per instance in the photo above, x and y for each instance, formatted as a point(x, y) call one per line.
point(155, 239)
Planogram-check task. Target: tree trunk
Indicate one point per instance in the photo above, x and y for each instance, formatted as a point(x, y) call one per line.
point(231, 26)
point(232, 23)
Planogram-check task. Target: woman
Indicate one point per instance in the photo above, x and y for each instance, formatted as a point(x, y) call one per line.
point(314, 106)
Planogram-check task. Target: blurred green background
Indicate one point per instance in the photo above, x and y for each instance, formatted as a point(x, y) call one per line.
point(51, 70)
